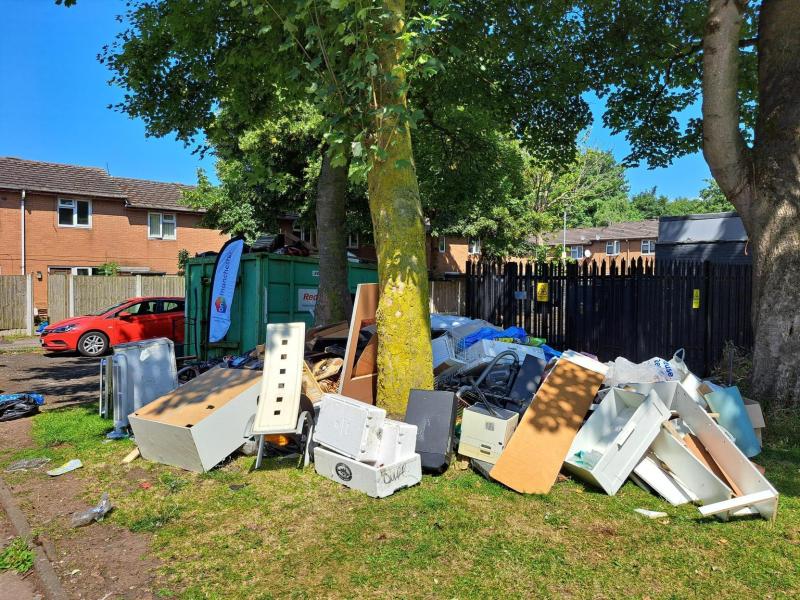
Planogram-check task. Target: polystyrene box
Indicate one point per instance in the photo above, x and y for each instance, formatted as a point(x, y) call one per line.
point(349, 427)
point(616, 436)
point(398, 441)
point(378, 482)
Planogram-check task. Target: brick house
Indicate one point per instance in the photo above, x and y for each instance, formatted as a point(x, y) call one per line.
point(57, 218)
point(447, 255)
point(622, 240)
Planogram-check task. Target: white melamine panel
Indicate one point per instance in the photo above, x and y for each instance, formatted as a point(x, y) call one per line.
point(279, 401)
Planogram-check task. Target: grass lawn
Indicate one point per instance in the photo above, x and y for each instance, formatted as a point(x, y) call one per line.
point(283, 532)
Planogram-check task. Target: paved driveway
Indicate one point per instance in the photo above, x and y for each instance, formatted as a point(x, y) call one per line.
point(62, 378)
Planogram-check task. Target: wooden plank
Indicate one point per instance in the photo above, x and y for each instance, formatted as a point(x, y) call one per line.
point(537, 449)
point(12, 302)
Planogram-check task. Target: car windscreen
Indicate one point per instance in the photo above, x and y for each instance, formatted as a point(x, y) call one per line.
point(108, 309)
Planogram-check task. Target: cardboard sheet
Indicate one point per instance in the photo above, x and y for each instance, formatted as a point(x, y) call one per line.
point(356, 382)
point(195, 400)
point(534, 455)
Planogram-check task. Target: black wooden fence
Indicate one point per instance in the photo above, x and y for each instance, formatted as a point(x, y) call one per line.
point(638, 309)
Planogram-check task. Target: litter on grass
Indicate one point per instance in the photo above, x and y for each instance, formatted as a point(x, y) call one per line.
point(96, 513)
point(75, 463)
point(27, 464)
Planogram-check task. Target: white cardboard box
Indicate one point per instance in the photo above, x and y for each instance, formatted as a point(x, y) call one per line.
point(349, 427)
point(616, 436)
point(377, 482)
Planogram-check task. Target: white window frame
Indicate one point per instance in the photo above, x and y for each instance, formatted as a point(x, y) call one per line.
point(305, 234)
point(615, 247)
point(473, 246)
point(73, 204)
point(651, 247)
point(74, 271)
point(352, 240)
point(162, 218)
point(576, 252)
point(442, 244)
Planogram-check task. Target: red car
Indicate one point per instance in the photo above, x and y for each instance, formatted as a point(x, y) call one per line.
point(129, 321)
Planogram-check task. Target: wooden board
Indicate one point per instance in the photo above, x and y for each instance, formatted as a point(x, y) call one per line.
point(311, 389)
point(360, 386)
point(189, 404)
point(696, 447)
point(534, 455)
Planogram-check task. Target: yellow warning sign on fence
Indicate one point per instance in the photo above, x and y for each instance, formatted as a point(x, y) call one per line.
point(696, 298)
point(542, 291)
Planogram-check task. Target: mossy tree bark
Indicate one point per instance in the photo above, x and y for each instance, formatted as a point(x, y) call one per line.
point(404, 349)
point(334, 302)
point(761, 180)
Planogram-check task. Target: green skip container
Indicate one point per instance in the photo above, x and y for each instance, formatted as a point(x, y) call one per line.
point(271, 288)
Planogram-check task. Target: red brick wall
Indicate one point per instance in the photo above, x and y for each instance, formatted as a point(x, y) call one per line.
point(628, 250)
point(117, 234)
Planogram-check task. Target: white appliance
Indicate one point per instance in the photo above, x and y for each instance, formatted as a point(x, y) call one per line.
point(141, 371)
point(484, 435)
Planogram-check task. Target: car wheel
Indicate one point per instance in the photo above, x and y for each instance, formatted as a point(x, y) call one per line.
point(93, 343)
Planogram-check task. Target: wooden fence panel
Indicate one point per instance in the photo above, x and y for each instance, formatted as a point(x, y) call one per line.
point(12, 302)
point(166, 285)
point(448, 297)
point(57, 298)
point(93, 293)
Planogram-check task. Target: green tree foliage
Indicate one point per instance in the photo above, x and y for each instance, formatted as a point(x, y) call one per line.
point(265, 170)
point(109, 269)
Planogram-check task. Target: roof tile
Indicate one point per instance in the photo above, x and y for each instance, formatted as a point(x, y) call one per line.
point(55, 178)
point(619, 231)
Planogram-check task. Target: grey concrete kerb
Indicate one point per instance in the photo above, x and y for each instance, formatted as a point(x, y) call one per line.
point(51, 585)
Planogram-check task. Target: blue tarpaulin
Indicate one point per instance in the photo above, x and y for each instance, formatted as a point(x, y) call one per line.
point(14, 398)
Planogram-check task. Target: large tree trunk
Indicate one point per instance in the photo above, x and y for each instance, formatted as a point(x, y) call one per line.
point(763, 183)
point(404, 349)
point(334, 302)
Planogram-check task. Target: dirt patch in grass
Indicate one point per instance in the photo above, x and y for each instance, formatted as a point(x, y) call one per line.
point(15, 436)
point(93, 561)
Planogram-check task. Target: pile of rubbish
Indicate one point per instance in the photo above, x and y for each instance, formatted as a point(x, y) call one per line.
point(517, 409)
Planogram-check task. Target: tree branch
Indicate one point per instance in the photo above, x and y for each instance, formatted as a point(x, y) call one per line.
point(724, 147)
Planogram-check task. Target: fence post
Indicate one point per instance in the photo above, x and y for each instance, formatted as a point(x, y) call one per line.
point(29, 303)
point(705, 299)
point(138, 291)
point(71, 295)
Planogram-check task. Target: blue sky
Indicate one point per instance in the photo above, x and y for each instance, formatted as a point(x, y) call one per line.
point(53, 106)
